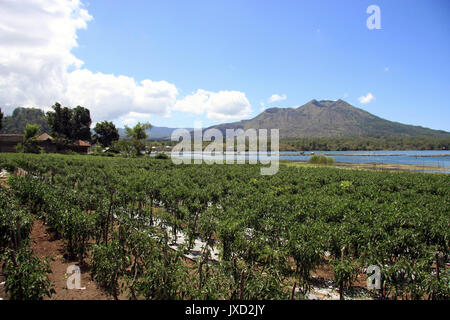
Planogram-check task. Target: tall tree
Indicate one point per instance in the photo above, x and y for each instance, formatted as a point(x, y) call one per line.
point(69, 123)
point(137, 134)
point(139, 131)
point(81, 123)
point(59, 121)
point(105, 133)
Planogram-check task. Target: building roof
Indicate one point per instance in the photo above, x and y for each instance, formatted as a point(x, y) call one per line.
point(44, 137)
point(81, 143)
point(11, 137)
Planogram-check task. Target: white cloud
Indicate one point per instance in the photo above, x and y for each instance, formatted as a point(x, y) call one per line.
point(36, 38)
point(132, 118)
point(277, 97)
point(38, 68)
point(110, 97)
point(129, 121)
point(366, 99)
point(222, 105)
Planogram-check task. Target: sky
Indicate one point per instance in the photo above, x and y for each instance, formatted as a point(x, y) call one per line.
point(173, 63)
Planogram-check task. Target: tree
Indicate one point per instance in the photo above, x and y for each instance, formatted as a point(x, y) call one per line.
point(122, 146)
point(31, 130)
point(1, 118)
point(30, 144)
point(137, 134)
point(59, 121)
point(72, 124)
point(81, 123)
point(105, 133)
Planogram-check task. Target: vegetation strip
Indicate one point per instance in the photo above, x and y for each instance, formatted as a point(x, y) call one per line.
point(273, 232)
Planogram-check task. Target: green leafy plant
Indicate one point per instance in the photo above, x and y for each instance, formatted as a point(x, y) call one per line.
point(107, 266)
point(26, 275)
point(162, 156)
point(321, 159)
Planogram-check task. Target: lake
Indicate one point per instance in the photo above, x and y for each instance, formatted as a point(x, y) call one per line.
point(439, 158)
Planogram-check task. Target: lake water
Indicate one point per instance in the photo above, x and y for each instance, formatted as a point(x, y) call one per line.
point(439, 158)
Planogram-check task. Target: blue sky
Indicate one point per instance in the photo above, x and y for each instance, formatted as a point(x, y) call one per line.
point(298, 50)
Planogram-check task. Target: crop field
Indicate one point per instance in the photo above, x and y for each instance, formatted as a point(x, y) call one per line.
point(245, 236)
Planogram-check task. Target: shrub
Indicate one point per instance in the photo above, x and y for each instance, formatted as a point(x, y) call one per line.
point(69, 152)
point(15, 221)
point(161, 156)
point(77, 230)
point(20, 148)
point(346, 185)
point(26, 275)
point(107, 262)
point(28, 191)
point(321, 159)
point(103, 154)
point(345, 272)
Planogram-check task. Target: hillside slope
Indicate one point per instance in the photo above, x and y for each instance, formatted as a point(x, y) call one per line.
point(329, 119)
point(15, 123)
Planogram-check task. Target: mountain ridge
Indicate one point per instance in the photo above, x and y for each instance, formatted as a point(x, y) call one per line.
point(155, 133)
point(321, 119)
point(328, 118)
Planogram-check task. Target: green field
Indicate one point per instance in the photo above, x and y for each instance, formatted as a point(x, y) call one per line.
point(272, 232)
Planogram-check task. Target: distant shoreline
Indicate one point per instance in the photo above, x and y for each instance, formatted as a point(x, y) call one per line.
point(387, 155)
point(374, 166)
point(309, 153)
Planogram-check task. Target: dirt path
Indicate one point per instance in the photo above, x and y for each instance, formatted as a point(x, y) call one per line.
point(47, 246)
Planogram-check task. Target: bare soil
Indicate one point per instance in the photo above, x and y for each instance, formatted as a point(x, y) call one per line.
point(49, 246)
point(46, 245)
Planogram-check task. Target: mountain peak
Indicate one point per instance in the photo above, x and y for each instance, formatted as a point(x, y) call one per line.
point(327, 103)
point(272, 110)
point(324, 103)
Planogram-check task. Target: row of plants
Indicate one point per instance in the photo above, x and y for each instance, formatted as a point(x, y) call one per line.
point(273, 232)
point(26, 274)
